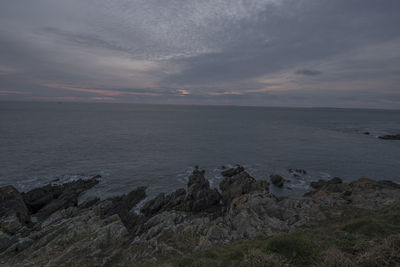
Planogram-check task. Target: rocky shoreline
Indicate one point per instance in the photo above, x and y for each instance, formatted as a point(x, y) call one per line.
point(47, 227)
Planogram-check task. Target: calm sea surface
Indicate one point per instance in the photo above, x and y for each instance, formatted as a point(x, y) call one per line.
point(158, 145)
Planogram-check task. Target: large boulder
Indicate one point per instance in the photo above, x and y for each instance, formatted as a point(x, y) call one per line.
point(44, 201)
point(13, 211)
point(239, 184)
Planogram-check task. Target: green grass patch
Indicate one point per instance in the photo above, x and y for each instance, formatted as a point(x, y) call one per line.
point(300, 248)
point(375, 226)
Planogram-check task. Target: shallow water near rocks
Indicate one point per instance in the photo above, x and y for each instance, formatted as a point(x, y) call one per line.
point(158, 145)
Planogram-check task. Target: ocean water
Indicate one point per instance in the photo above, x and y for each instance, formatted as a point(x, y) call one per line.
point(158, 145)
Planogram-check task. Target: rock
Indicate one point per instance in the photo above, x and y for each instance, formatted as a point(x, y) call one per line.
point(45, 200)
point(390, 137)
point(297, 172)
point(321, 183)
point(6, 241)
point(154, 205)
point(89, 203)
point(277, 180)
point(362, 193)
point(200, 196)
point(174, 201)
point(318, 184)
point(239, 184)
point(13, 211)
point(233, 171)
point(122, 206)
point(106, 233)
point(335, 185)
point(82, 240)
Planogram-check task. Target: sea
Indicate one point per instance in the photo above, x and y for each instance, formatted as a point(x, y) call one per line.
point(158, 146)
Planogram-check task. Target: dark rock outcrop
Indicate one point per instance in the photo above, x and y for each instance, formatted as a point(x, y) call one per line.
point(334, 185)
point(390, 137)
point(364, 192)
point(277, 180)
point(233, 171)
point(122, 206)
point(320, 183)
point(297, 172)
point(200, 196)
point(109, 233)
point(43, 201)
point(13, 211)
point(174, 201)
point(239, 184)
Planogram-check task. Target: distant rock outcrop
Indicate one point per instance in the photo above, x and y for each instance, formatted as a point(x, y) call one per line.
point(390, 137)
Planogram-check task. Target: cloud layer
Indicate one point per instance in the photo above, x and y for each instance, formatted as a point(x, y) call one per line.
point(343, 53)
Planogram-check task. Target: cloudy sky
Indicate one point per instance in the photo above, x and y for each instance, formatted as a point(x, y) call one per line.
point(334, 53)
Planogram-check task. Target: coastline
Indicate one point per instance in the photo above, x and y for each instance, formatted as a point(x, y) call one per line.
point(47, 226)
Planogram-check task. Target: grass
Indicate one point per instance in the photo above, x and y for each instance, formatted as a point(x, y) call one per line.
point(355, 239)
point(386, 223)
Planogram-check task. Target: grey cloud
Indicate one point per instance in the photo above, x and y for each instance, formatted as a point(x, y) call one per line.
point(84, 39)
point(204, 47)
point(297, 32)
point(309, 72)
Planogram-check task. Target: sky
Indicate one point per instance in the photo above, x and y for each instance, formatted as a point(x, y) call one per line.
point(294, 53)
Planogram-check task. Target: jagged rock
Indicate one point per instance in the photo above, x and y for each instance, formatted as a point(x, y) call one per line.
point(390, 137)
point(122, 205)
point(200, 196)
point(174, 201)
point(13, 211)
point(362, 193)
point(89, 203)
point(239, 184)
point(106, 233)
point(46, 200)
point(233, 171)
point(297, 172)
point(6, 241)
point(277, 180)
point(82, 240)
point(335, 185)
point(154, 205)
point(320, 183)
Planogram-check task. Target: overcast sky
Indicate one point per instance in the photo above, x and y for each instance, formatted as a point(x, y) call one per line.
point(334, 53)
